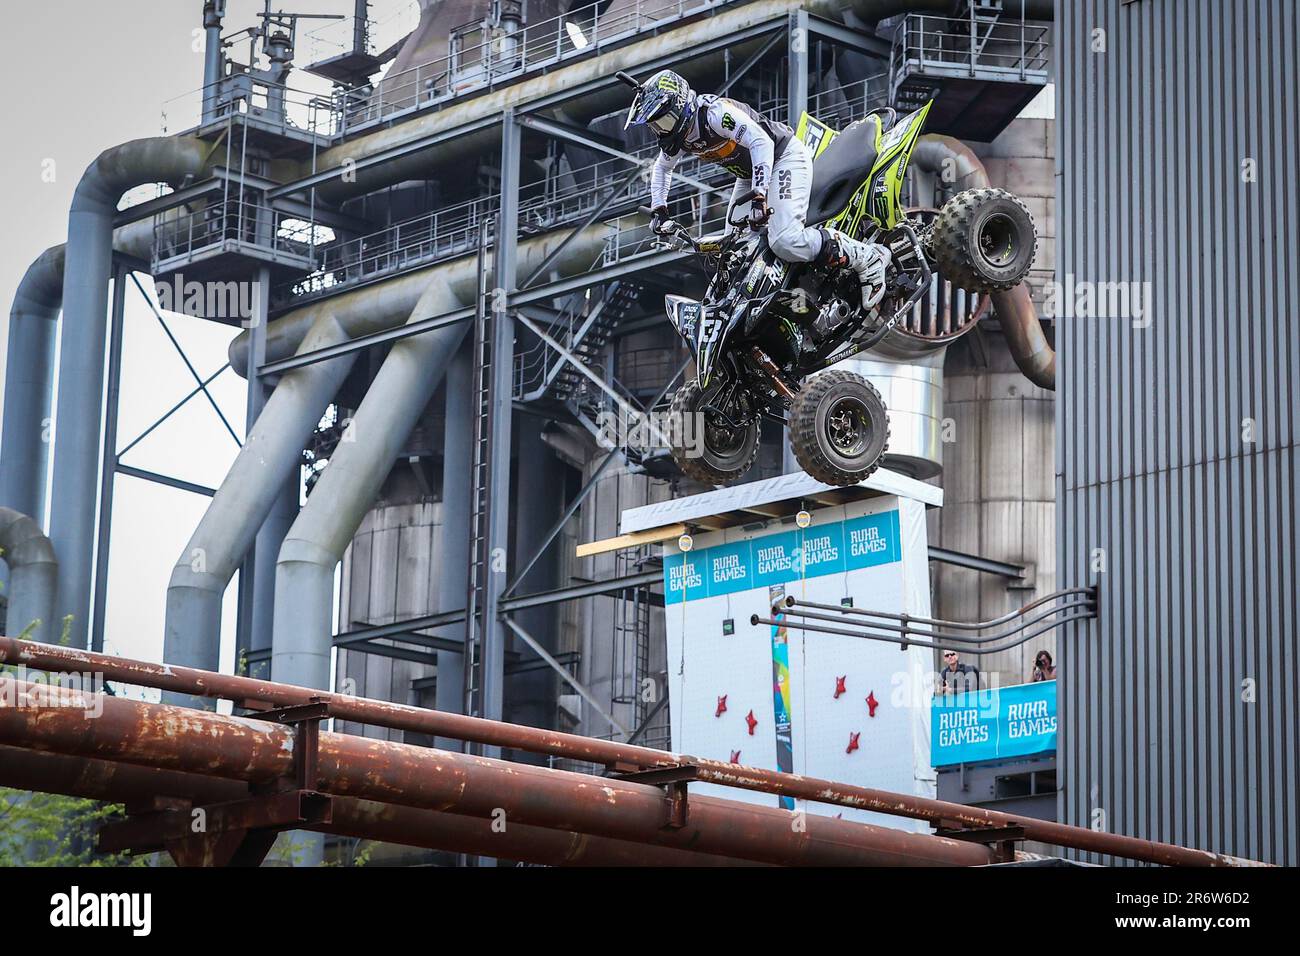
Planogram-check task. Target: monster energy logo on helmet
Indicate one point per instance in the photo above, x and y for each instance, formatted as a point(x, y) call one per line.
point(665, 103)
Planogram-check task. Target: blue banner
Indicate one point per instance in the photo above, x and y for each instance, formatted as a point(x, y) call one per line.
point(993, 724)
point(786, 556)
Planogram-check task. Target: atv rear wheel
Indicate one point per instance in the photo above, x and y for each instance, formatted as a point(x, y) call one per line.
point(718, 453)
point(839, 428)
point(983, 240)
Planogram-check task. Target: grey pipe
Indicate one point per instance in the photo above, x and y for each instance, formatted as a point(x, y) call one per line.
point(29, 371)
point(33, 577)
point(385, 305)
point(29, 374)
point(213, 59)
point(304, 582)
point(89, 263)
point(1015, 309)
point(267, 461)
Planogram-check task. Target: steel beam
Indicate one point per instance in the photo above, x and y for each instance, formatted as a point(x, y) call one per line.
point(178, 738)
point(977, 562)
point(567, 133)
point(501, 409)
point(567, 677)
point(108, 470)
point(115, 782)
point(840, 35)
point(248, 692)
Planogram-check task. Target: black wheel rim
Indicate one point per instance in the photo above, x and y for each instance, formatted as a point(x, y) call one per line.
point(999, 240)
point(848, 426)
point(721, 441)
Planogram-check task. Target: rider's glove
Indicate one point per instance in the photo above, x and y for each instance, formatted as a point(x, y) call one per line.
point(759, 212)
point(660, 224)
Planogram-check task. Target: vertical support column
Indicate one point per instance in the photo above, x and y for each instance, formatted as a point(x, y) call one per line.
point(797, 42)
point(500, 408)
point(256, 607)
point(108, 472)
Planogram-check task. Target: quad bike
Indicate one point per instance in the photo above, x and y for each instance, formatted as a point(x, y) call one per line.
point(766, 327)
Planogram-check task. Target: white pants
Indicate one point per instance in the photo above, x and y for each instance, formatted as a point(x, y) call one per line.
point(788, 197)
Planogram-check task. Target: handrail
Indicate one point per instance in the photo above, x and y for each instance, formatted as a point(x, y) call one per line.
point(1070, 610)
point(938, 622)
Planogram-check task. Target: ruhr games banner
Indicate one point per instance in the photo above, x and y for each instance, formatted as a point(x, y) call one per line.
point(823, 705)
point(993, 724)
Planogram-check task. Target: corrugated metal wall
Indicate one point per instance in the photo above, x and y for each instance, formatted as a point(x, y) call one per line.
point(1176, 442)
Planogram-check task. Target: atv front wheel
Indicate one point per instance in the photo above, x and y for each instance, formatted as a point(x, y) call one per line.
point(839, 428)
point(705, 448)
point(983, 240)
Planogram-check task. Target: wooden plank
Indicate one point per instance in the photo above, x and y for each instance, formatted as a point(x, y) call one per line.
point(648, 536)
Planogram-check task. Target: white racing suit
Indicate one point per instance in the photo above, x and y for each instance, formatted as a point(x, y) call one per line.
point(766, 157)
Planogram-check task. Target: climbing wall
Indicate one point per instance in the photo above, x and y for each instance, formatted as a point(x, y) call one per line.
point(838, 707)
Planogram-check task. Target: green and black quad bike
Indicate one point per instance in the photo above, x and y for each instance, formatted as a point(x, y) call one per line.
point(765, 328)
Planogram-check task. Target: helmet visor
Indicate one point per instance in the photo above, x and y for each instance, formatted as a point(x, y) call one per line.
point(665, 122)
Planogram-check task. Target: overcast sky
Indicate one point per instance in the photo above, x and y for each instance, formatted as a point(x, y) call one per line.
point(81, 76)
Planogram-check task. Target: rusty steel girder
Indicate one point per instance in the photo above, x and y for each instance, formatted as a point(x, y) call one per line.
point(258, 752)
point(144, 789)
point(263, 695)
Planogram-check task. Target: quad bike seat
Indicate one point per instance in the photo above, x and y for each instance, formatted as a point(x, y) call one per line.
point(841, 169)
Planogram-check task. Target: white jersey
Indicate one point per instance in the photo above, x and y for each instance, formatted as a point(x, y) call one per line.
point(730, 134)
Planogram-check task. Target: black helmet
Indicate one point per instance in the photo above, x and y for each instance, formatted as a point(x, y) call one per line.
point(665, 103)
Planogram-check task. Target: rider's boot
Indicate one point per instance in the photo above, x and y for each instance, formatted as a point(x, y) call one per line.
point(868, 259)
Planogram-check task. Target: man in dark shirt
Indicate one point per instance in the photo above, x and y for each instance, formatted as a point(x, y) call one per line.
point(955, 678)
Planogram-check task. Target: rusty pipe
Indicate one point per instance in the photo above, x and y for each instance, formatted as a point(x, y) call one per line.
point(131, 785)
point(80, 723)
point(1015, 309)
point(245, 690)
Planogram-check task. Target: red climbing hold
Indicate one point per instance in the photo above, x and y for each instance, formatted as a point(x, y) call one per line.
point(735, 756)
point(722, 706)
point(853, 743)
point(749, 719)
point(872, 703)
point(839, 686)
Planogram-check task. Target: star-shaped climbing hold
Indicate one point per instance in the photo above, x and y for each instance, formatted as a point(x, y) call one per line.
point(839, 686)
point(872, 703)
point(750, 719)
point(722, 706)
point(735, 756)
point(853, 743)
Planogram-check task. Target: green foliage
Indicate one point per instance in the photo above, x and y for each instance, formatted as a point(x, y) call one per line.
point(46, 829)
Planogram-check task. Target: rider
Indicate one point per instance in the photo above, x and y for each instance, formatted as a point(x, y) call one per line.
point(757, 151)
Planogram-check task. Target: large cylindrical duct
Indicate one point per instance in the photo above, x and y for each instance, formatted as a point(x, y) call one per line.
point(29, 371)
point(33, 576)
point(304, 584)
point(1015, 309)
point(29, 374)
point(80, 407)
point(270, 456)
